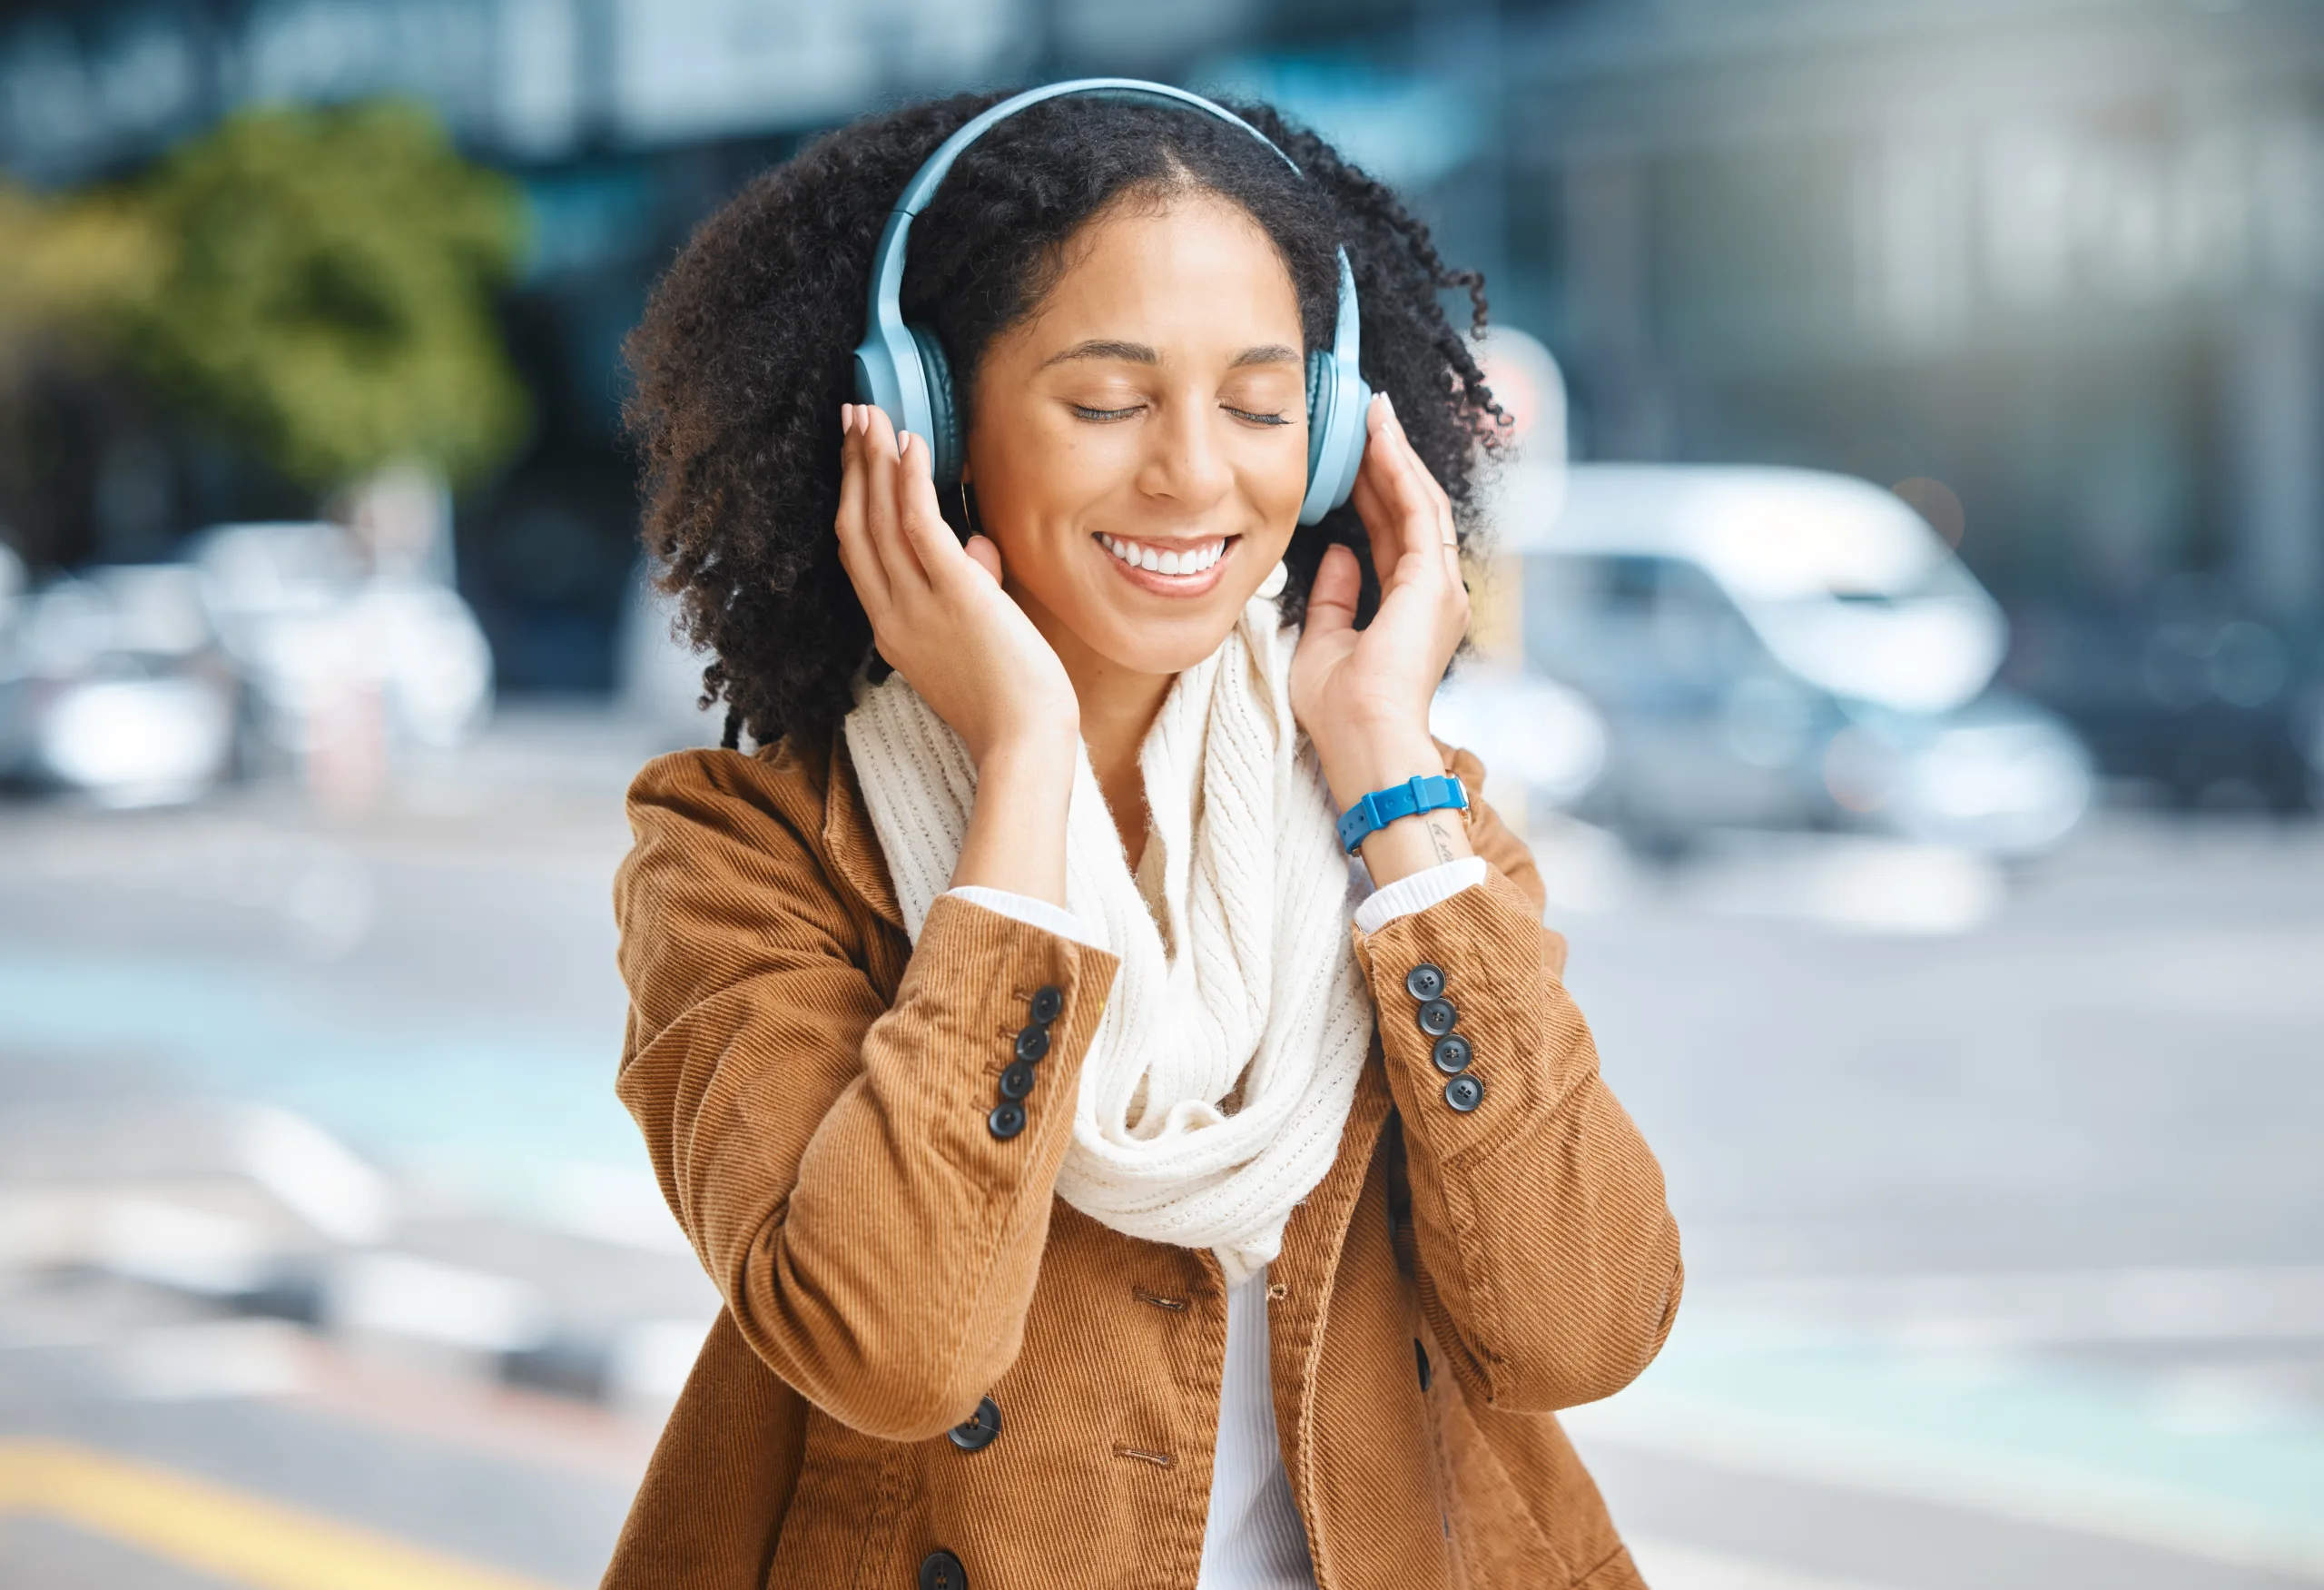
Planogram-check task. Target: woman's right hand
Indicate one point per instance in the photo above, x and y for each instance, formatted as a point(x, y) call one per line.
point(938, 615)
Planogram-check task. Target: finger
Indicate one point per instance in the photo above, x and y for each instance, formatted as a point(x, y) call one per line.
point(919, 516)
point(1429, 484)
point(1408, 519)
point(1330, 599)
point(1441, 529)
point(1421, 480)
point(985, 553)
point(1440, 502)
point(1376, 497)
point(896, 558)
point(1375, 510)
point(855, 550)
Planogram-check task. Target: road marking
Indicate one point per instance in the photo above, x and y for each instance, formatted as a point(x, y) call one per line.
point(197, 1525)
point(1668, 1566)
point(1872, 1437)
point(2186, 1303)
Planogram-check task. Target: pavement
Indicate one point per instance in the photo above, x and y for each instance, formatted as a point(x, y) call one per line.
point(327, 1257)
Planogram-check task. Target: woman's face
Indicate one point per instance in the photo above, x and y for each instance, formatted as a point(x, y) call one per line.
point(1153, 411)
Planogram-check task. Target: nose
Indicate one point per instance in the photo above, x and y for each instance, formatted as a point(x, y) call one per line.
point(1184, 463)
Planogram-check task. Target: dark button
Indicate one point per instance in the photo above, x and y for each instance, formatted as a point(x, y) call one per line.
point(1032, 1041)
point(1437, 1017)
point(1464, 1093)
point(1017, 1078)
point(941, 1570)
point(1425, 980)
point(979, 1430)
point(1008, 1119)
point(1451, 1053)
point(1420, 1353)
point(1048, 1000)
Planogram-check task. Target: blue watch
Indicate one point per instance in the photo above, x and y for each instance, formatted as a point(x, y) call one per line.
point(1383, 806)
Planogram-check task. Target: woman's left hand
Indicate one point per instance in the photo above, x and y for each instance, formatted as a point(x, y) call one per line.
point(1363, 695)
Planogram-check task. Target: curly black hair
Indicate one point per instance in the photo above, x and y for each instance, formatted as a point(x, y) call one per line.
point(744, 356)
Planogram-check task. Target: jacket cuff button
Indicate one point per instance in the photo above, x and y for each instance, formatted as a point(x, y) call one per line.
point(1008, 1119)
point(1464, 1093)
point(1049, 1001)
point(1452, 1053)
point(1425, 981)
point(1032, 1041)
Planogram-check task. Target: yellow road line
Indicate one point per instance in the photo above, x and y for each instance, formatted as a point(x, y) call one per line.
point(235, 1536)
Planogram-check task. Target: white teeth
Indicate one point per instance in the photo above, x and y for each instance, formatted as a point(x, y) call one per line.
point(1193, 560)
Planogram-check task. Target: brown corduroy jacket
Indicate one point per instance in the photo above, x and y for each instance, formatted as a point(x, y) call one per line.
point(815, 1094)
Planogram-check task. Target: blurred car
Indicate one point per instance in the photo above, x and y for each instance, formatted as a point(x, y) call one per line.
point(1783, 649)
point(2201, 701)
point(312, 630)
point(1541, 742)
point(111, 683)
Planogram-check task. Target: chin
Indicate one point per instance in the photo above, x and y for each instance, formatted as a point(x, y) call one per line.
point(1148, 644)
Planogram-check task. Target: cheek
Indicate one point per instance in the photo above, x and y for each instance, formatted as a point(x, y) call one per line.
point(1278, 485)
point(1038, 472)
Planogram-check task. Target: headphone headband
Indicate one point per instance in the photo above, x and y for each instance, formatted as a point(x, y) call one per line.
point(923, 185)
point(902, 369)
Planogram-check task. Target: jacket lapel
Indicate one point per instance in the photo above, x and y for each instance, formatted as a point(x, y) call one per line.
point(1312, 1242)
point(851, 843)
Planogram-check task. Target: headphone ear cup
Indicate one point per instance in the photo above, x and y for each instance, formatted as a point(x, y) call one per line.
point(1337, 401)
point(1321, 383)
point(944, 445)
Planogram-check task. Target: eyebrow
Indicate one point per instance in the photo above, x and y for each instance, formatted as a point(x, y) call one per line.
point(1139, 354)
point(1271, 353)
point(1129, 352)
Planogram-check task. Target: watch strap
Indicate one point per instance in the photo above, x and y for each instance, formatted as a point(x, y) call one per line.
point(1375, 811)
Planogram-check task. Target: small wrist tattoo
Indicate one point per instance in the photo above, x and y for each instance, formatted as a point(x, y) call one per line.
point(1436, 837)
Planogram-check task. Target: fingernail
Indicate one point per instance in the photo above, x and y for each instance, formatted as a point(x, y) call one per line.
point(1389, 403)
point(903, 445)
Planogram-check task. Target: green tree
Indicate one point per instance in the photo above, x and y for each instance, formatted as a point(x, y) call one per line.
point(326, 291)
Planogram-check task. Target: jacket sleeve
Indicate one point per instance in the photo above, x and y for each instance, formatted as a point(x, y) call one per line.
point(1547, 1261)
point(830, 1157)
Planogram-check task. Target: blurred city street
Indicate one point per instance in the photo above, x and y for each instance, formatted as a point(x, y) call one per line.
point(1897, 623)
point(323, 1241)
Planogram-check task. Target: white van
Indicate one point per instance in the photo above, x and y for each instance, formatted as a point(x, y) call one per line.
point(1775, 647)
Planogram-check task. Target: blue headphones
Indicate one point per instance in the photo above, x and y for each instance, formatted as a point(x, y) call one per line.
point(903, 367)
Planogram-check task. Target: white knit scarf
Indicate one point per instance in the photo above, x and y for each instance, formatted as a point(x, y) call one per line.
point(1256, 981)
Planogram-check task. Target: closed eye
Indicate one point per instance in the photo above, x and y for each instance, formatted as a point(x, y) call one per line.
point(1256, 418)
point(1103, 416)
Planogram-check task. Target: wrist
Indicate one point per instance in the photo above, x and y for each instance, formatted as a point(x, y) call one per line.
point(1016, 836)
point(1356, 768)
point(1415, 843)
point(1038, 751)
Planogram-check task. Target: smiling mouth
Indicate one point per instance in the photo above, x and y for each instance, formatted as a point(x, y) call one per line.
point(1170, 562)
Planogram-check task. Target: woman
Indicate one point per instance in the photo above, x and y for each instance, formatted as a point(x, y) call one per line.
point(1105, 1189)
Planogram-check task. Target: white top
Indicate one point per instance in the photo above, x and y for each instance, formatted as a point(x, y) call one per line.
point(1254, 1540)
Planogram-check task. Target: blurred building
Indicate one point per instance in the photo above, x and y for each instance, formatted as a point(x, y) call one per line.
point(626, 121)
point(2056, 270)
point(2052, 267)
